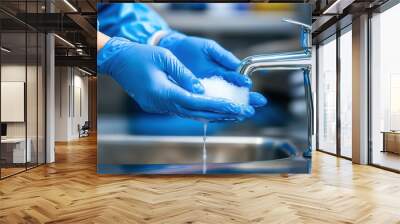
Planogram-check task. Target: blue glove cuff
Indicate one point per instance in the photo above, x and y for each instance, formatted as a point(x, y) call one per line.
point(169, 40)
point(111, 48)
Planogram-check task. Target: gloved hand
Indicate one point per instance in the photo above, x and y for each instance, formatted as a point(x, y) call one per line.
point(159, 83)
point(206, 58)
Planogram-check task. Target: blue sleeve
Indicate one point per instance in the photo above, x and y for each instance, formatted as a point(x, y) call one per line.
point(134, 21)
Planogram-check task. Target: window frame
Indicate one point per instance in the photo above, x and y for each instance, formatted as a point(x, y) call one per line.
point(333, 37)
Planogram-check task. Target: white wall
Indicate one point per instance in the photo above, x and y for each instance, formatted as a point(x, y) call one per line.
point(12, 73)
point(62, 82)
point(33, 126)
point(71, 94)
point(80, 109)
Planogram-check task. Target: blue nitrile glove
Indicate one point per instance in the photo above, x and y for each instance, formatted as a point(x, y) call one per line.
point(206, 58)
point(137, 22)
point(159, 83)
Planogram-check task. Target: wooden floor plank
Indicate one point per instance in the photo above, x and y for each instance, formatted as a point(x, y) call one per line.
point(70, 191)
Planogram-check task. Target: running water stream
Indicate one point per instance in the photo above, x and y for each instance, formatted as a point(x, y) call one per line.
point(204, 148)
point(217, 87)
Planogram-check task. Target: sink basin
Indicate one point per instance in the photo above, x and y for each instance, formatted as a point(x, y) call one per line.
point(183, 155)
point(277, 139)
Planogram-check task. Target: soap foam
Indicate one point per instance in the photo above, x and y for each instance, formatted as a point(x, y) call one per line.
point(216, 86)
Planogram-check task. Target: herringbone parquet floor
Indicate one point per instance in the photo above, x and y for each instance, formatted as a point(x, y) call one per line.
point(70, 191)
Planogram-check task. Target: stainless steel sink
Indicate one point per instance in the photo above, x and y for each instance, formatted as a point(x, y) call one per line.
point(183, 155)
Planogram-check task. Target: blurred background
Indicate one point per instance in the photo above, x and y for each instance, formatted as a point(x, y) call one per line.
point(245, 29)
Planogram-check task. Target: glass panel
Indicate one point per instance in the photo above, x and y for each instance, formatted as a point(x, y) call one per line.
point(41, 99)
point(385, 86)
point(32, 88)
point(23, 88)
point(346, 94)
point(13, 87)
point(327, 96)
point(31, 98)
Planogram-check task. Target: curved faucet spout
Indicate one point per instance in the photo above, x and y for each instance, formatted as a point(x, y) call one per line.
point(281, 61)
point(298, 60)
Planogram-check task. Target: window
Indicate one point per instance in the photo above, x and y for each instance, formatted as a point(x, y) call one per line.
point(327, 96)
point(385, 89)
point(346, 93)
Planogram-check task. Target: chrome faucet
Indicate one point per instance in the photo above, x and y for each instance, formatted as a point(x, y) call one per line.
point(296, 60)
